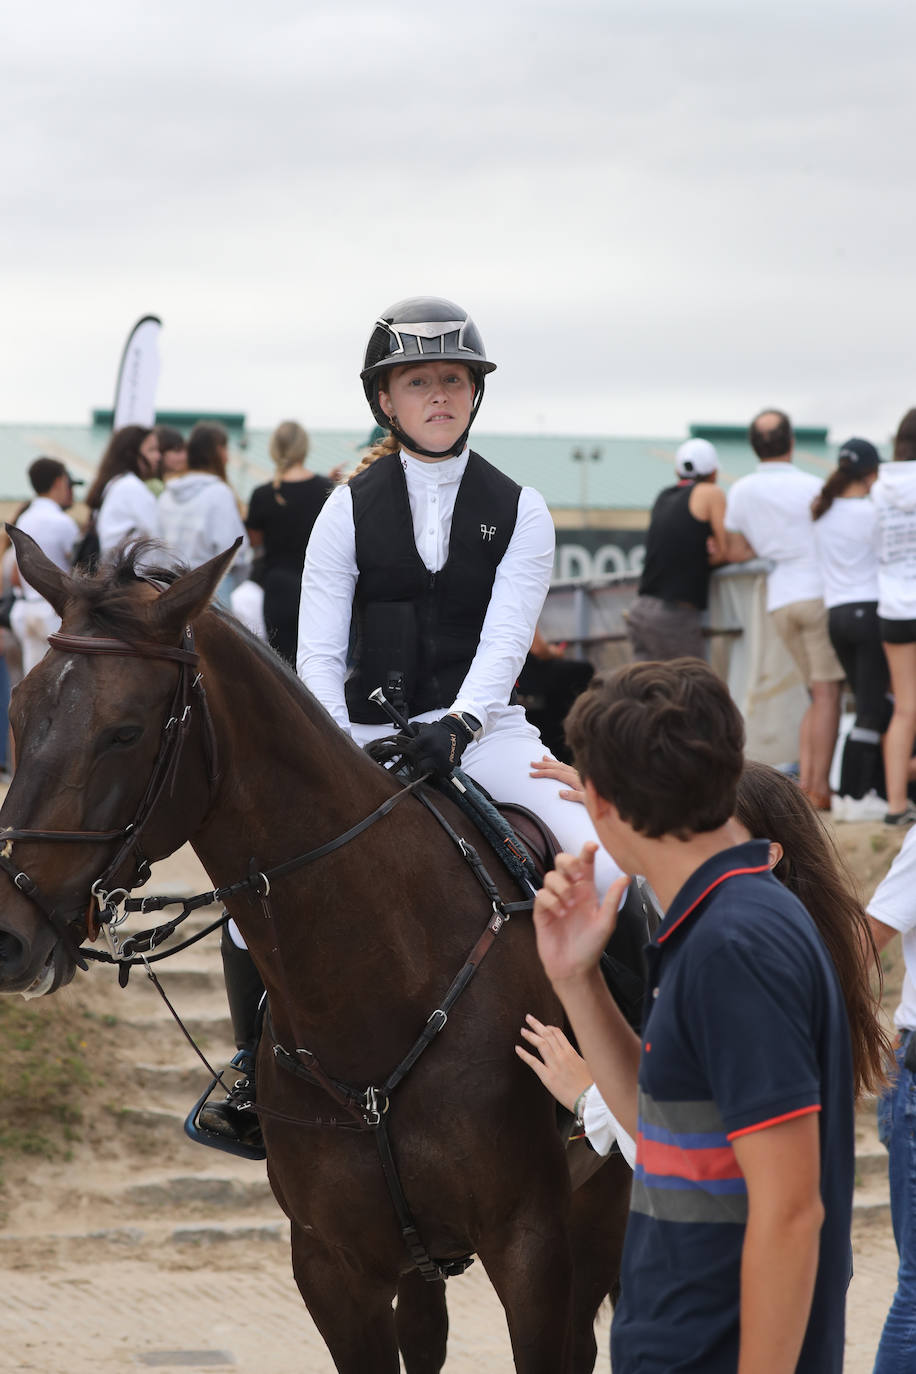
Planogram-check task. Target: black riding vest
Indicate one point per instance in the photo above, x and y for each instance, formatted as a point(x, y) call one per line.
point(416, 632)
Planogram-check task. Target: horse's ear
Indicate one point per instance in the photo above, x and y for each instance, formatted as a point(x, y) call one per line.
point(38, 570)
point(190, 594)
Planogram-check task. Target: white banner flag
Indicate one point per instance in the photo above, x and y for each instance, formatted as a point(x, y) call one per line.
point(138, 375)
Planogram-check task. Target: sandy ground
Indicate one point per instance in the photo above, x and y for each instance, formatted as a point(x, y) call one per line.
point(93, 1284)
point(134, 1314)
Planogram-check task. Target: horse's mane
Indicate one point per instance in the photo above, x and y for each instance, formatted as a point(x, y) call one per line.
point(109, 599)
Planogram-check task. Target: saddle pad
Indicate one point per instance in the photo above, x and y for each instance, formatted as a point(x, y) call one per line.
point(540, 841)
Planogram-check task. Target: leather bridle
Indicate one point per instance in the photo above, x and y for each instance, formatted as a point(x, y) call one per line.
point(189, 690)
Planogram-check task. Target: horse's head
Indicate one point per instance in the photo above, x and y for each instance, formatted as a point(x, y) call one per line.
point(92, 734)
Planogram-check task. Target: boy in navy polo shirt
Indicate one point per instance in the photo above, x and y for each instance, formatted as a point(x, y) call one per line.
point(740, 1092)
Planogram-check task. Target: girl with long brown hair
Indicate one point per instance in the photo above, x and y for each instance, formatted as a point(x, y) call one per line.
point(121, 505)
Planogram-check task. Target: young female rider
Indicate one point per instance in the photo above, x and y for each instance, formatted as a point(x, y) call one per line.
point(442, 563)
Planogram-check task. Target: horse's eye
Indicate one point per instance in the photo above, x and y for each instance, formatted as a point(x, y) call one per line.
point(125, 734)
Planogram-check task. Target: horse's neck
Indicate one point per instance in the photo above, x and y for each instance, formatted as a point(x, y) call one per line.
point(369, 916)
point(290, 776)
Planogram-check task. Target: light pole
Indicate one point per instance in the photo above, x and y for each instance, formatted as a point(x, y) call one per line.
point(579, 455)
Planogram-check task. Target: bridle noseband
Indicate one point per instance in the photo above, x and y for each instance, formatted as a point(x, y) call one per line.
point(189, 688)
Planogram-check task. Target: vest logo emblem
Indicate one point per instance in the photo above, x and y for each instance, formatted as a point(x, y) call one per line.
point(487, 531)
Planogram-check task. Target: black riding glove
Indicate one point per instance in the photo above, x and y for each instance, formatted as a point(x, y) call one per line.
point(437, 746)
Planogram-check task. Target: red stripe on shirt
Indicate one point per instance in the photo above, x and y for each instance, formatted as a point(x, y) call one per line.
point(670, 1161)
point(775, 1120)
point(733, 873)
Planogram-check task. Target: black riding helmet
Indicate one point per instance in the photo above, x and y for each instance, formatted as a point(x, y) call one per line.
point(423, 329)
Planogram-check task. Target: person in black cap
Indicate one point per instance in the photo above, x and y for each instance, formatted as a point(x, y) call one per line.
point(844, 534)
point(55, 532)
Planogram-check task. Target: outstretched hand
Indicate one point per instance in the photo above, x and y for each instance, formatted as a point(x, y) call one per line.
point(562, 1071)
point(571, 926)
point(549, 767)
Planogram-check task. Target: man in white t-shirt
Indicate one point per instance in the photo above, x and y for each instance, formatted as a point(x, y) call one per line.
point(55, 532)
point(892, 911)
point(768, 515)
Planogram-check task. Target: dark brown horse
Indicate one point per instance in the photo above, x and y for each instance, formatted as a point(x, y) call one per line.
point(356, 950)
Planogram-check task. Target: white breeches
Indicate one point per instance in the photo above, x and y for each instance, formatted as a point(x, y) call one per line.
point(31, 622)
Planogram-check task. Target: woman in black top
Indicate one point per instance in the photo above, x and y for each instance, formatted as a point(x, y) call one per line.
point(280, 519)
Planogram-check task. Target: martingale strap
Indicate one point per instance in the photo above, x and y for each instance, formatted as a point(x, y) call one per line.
point(368, 1109)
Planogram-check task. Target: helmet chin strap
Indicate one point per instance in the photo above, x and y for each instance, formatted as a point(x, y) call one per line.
point(457, 447)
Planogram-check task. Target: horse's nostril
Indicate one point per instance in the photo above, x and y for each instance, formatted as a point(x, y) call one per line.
point(13, 953)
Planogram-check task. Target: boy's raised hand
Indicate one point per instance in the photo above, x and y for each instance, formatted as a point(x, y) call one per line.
point(571, 926)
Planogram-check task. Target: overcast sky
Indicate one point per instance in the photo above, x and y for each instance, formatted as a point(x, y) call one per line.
point(655, 212)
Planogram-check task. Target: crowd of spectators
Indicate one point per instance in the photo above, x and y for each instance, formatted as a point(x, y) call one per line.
point(840, 595)
point(840, 586)
point(156, 484)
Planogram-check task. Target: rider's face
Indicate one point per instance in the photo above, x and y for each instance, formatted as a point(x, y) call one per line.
point(431, 402)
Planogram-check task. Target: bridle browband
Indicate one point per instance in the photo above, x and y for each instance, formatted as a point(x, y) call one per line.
point(165, 768)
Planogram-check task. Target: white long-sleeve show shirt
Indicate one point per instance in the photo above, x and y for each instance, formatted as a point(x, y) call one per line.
point(330, 575)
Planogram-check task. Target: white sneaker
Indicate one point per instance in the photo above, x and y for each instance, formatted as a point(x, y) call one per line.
point(838, 807)
point(871, 807)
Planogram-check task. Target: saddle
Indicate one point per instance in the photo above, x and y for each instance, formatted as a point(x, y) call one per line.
point(539, 840)
point(623, 961)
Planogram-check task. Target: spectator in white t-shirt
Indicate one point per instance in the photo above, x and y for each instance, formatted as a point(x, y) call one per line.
point(768, 515)
point(844, 539)
point(894, 496)
point(55, 532)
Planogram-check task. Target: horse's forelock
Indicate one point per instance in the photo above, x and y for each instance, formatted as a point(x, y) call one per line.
point(116, 598)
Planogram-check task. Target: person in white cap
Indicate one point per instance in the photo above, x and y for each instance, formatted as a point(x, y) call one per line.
point(686, 539)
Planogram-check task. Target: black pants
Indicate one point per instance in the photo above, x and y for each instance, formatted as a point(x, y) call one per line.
point(855, 636)
point(281, 611)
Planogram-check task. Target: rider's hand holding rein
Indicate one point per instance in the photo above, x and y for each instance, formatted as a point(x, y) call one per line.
point(572, 927)
point(437, 745)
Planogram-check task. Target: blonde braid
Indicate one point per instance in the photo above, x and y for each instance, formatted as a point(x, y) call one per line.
point(387, 445)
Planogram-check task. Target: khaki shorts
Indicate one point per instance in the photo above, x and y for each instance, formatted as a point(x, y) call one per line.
point(802, 627)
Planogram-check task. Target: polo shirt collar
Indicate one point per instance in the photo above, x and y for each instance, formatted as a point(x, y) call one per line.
point(751, 857)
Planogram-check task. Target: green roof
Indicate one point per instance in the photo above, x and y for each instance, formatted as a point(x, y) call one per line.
point(593, 471)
